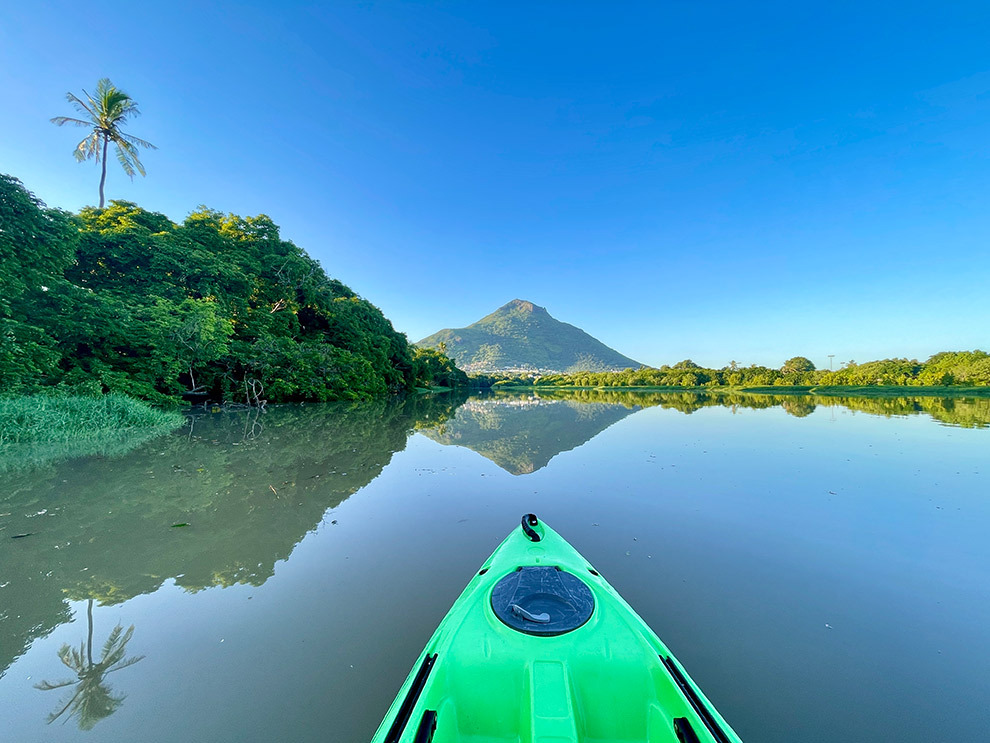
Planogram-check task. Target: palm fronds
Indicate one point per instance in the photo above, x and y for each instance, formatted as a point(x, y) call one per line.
point(106, 112)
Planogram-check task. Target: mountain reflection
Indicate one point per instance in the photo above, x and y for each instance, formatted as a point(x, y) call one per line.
point(522, 434)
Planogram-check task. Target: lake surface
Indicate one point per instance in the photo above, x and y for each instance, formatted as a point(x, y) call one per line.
point(820, 566)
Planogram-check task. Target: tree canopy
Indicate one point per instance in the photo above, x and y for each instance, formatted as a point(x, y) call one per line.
point(971, 368)
point(797, 365)
point(124, 300)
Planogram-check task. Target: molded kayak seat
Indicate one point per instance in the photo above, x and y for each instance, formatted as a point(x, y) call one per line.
point(539, 648)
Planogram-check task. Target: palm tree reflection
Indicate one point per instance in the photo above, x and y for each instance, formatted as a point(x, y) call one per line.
point(93, 698)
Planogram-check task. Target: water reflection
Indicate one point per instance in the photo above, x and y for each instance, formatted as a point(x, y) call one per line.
point(93, 699)
point(247, 488)
point(521, 434)
point(966, 412)
point(39, 454)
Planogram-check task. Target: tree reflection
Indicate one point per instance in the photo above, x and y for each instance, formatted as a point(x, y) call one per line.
point(249, 484)
point(93, 699)
point(966, 412)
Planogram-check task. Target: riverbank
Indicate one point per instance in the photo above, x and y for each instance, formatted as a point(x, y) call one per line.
point(864, 391)
point(822, 390)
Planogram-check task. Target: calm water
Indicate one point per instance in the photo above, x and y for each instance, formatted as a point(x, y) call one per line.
point(822, 568)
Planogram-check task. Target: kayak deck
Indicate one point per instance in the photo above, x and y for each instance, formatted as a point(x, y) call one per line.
point(608, 680)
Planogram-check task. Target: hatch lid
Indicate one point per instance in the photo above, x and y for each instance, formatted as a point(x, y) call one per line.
point(542, 601)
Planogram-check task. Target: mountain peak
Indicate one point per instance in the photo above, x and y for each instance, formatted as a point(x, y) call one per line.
point(522, 305)
point(521, 336)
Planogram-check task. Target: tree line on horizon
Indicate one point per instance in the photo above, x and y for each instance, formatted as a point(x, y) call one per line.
point(125, 300)
point(947, 368)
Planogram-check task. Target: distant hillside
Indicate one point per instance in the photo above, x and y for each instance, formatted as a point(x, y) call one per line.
point(522, 336)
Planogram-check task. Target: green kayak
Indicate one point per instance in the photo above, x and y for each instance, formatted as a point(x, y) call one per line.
point(539, 648)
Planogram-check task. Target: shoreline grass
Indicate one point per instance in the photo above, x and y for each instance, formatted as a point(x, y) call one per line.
point(42, 429)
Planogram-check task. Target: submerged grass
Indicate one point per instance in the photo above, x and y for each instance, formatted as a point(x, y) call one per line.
point(38, 430)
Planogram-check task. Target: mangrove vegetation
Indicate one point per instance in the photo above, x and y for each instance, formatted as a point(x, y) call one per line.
point(219, 307)
point(943, 373)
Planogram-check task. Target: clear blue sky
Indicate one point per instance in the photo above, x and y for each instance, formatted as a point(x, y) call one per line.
point(717, 181)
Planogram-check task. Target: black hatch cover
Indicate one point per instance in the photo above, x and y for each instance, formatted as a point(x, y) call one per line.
point(543, 601)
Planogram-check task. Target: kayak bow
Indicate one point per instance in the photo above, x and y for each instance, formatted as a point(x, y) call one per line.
point(539, 648)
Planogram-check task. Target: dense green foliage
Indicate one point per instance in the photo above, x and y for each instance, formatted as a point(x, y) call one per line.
point(431, 366)
point(521, 335)
point(970, 368)
point(124, 300)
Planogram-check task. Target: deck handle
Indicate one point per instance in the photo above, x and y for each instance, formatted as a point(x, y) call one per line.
point(528, 522)
point(542, 618)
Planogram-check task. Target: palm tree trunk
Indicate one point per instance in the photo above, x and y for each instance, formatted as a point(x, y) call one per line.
point(103, 177)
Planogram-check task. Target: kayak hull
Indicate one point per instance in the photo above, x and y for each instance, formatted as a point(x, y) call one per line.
point(609, 680)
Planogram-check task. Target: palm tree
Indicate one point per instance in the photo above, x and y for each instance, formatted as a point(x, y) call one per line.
point(106, 112)
point(93, 699)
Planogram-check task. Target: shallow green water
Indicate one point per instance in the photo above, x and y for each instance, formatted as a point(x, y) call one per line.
point(821, 567)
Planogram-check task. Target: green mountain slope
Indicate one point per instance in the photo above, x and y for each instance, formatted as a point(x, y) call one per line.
point(523, 336)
